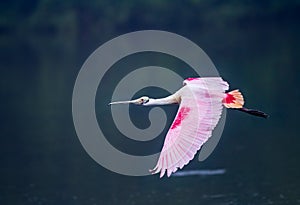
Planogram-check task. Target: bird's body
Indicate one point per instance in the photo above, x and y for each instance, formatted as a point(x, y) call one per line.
point(201, 103)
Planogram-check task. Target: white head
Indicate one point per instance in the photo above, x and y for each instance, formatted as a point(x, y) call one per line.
point(140, 101)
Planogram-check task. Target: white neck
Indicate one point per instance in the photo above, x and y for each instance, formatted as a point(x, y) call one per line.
point(162, 101)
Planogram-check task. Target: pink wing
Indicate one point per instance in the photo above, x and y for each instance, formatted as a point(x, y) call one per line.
point(198, 114)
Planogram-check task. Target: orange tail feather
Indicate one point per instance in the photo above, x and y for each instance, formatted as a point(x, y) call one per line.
point(233, 99)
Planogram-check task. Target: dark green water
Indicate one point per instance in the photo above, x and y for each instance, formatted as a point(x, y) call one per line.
point(254, 46)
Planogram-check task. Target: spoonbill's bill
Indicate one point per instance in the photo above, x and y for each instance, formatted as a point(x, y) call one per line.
point(200, 107)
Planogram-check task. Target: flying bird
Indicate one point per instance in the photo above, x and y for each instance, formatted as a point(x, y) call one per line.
point(201, 102)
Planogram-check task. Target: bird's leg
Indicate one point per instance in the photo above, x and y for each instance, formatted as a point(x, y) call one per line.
point(253, 112)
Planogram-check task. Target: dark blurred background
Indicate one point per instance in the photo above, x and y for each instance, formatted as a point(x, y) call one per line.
point(255, 46)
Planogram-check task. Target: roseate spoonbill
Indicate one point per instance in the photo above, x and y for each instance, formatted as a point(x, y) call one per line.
point(200, 101)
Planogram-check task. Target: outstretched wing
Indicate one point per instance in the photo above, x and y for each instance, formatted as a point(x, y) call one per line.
point(198, 114)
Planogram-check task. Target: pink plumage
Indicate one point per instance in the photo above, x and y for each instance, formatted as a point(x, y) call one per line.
point(199, 112)
point(201, 103)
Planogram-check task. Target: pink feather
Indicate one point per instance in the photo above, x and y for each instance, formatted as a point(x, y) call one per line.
point(198, 114)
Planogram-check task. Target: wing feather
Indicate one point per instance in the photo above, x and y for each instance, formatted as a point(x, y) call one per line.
point(198, 114)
